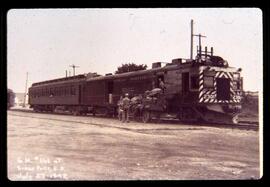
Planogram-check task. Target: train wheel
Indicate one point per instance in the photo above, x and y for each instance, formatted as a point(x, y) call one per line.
point(146, 117)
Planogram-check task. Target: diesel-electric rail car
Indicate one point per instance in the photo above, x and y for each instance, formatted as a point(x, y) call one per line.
point(204, 88)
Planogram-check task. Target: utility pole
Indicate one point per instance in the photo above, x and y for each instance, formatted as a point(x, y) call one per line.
point(191, 40)
point(25, 93)
point(73, 66)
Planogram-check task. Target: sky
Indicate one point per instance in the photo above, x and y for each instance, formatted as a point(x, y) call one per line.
point(45, 42)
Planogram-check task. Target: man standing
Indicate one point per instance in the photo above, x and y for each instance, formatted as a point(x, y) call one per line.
point(126, 105)
point(161, 85)
point(120, 108)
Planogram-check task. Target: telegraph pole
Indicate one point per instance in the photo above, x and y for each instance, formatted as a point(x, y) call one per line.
point(191, 40)
point(73, 66)
point(25, 93)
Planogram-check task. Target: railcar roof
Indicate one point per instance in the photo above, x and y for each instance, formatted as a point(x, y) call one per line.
point(140, 72)
point(60, 80)
point(84, 77)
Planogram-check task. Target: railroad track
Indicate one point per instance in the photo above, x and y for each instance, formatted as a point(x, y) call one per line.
point(244, 125)
point(241, 125)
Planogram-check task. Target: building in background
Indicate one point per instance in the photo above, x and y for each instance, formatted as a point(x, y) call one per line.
point(19, 99)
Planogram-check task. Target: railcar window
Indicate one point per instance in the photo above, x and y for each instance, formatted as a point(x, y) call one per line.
point(208, 82)
point(61, 91)
point(69, 90)
point(54, 91)
point(73, 90)
point(236, 85)
point(194, 80)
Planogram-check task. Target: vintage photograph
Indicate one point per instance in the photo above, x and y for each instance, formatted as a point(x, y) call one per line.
point(134, 94)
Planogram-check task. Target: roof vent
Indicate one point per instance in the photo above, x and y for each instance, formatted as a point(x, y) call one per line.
point(90, 75)
point(156, 65)
point(177, 61)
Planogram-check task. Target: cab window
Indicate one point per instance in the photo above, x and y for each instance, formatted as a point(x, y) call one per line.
point(208, 81)
point(236, 85)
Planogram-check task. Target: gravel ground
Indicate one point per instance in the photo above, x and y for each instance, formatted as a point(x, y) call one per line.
point(64, 147)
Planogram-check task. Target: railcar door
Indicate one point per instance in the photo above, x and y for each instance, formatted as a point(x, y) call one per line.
point(185, 83)
point(223, 89)
point(156, 82)
point(80, 94)
point(109, 92)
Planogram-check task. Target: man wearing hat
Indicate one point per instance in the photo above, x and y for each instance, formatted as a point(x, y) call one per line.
point(126, 105)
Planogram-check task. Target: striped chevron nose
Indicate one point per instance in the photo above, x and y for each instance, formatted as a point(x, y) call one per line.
point(207, 95)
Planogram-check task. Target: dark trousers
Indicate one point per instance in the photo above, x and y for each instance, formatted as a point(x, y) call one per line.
point(125, 116)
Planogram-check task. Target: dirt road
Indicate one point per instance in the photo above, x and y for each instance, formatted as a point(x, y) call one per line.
point(63, 147)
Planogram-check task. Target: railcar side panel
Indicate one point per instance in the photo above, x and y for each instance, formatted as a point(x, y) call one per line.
point(61, 94)
point(94, 93)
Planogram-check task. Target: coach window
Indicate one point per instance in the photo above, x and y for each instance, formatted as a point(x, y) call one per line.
point(61, 91)
point(73, 90)
point(208, 82)
point(194, 82)
point(51, 92)
point(54, 92)
point(68, 90)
